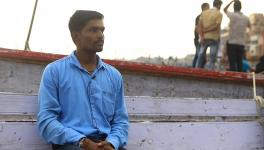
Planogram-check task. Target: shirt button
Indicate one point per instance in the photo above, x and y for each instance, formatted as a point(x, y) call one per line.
point(94, 123)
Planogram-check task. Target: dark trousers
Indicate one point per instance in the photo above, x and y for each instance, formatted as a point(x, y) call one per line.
point(96, 139)
point(235, 55)
point(72, 147)
point(66, 147)
point(197, 46)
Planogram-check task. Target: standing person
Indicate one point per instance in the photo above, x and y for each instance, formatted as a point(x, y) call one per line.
point(209, 30)
point(237, 36)
point(205, 6)
point(81, 98)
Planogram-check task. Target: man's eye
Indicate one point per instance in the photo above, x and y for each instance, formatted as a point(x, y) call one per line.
point(97, 30)
point(94, 30)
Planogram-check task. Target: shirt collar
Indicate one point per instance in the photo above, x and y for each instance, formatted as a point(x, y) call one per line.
point(76, 62)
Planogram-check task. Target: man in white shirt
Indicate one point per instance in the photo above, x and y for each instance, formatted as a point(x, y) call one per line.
point(237, 35)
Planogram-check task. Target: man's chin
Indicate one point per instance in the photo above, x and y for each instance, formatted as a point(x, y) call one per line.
point(99, 50)
point(94, 50)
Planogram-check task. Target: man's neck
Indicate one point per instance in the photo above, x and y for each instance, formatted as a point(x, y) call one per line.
point(87, 60)
point(215, 7)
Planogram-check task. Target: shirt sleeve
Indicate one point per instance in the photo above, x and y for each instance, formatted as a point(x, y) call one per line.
point(200, 21)
point(49, 110)
point(119, 125)
point(219, 18)
point(197, 20)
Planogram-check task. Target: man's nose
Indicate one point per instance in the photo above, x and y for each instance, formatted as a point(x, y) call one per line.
point(101, 35)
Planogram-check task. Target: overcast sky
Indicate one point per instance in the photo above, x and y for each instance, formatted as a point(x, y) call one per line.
point(134, 28)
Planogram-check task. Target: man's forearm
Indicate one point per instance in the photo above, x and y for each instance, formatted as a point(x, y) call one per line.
point(54, 132)
point(227, 6)
point(212, 28)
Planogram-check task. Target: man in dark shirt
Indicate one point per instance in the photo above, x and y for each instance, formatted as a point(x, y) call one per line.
point(205, 6)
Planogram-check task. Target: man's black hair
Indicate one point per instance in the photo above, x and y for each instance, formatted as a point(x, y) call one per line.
point(204, 5)
point(81, 17)
point(237, 6)
point(217, 3)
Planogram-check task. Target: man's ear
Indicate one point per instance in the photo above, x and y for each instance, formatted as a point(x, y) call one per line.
point(75, 37)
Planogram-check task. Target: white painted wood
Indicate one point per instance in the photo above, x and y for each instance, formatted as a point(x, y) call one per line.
point(220, 135)
point(196, 136)
point(21, 136)
point(155, 136)
point(25, 104)
point(18, 104)
point(191, 107)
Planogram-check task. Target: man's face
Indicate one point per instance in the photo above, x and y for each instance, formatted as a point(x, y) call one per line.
point(91, 38)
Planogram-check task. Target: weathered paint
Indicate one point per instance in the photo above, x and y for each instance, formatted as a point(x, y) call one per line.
point(196, 136)
point(21, 136)
point(155, 136)
point(19, 76)
point(150, 134)
point(27, 105)
point(126, 66)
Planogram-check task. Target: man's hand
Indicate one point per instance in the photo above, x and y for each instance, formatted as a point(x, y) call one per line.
point(201, 39)
point(90, 145)
point(106, 145)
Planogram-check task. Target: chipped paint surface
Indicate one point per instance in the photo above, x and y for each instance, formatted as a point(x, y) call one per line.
point(20, 77)
point(151, 134)
point(156, 123)
point(20, 72)
point(141, 68)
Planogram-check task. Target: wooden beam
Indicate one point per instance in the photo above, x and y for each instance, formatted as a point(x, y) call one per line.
point(140, 68)
point(155, 136)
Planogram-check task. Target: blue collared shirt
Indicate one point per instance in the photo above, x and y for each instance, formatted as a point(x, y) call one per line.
point(74, 103)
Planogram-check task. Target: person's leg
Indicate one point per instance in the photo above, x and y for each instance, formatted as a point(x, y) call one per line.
point(66, 147)
point(231, 57)
point(214, 45)
point(236, 55)
point(202, 55)
point(240, 54)
point(197, 46)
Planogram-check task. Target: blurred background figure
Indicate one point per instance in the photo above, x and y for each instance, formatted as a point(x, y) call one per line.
point(260, 66)
point(209, 30)
point(237, 36)
point(205, 6)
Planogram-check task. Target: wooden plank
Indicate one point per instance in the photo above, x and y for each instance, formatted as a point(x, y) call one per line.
point(164, 118)
point(196, 136)
point(21, 136)
point(155, 136)
point(18, 104)
point(151, 118)
point(140, 68)
point(27, 104)
point(191, 107)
